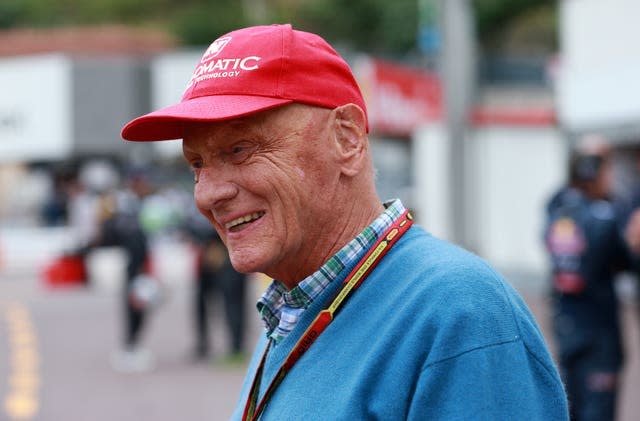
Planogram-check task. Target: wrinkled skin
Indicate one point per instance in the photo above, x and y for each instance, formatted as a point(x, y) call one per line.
point(294, 175)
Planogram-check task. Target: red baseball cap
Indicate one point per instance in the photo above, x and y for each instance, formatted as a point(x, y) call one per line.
point(252, 70)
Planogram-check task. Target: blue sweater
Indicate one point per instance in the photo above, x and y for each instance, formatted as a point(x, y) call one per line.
point(434, 333)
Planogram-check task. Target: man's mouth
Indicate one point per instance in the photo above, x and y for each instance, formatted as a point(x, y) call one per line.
point(241, 222)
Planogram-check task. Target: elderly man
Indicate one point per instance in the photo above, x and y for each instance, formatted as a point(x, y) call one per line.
point(368, 317)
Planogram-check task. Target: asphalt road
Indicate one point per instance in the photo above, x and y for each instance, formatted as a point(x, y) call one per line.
point(55, 349)
point(55, 352)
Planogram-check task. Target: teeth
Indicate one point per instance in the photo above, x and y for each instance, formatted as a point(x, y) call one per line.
point(243, 219)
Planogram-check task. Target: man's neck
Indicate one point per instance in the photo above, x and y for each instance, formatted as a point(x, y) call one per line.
point(344, 228)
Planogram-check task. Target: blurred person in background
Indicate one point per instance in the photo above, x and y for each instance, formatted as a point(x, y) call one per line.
point(632, 226)
point(83, 213)
point(216, 278)
point(94, 178)
point(121, 226)
point(55, 210)
point(586, 248)
point(84, 191)
point(368, 316)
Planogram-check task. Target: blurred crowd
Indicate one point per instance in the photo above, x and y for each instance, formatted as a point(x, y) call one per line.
point(103, 203)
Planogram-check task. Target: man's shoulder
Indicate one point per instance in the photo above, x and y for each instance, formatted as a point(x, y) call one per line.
point(427, 272)
point(435, 259)
point(459, 295)
point(436, 271)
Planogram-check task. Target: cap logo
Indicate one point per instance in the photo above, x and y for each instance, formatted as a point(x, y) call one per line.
point(212, 68)
point(215, 48)
point(223, 68)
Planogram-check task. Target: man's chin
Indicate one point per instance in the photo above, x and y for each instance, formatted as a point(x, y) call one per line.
point(245, 264)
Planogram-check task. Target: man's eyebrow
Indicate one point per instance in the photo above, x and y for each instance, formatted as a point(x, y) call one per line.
point(238, 123)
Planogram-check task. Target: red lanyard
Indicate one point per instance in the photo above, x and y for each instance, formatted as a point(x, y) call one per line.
point(253, 409)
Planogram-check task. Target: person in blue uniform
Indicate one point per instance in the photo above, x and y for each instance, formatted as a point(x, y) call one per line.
point(368, 317)
point(586, 247)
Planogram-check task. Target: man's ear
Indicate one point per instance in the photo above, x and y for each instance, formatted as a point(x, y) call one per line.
point(350, 130)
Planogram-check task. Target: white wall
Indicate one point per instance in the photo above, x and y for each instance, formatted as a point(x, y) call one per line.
point(35, 108)
point(511, 173)
point(515, 170)
point(431, 149)
point(599, 69)
point(169, 76)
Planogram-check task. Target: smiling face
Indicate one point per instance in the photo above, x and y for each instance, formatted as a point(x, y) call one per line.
point(267, 183)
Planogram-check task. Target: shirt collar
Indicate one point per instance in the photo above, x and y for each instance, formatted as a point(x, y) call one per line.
point(280, 309)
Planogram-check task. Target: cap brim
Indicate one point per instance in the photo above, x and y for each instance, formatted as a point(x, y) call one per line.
point(169, 122)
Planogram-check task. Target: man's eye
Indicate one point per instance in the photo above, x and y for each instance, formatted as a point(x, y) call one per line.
point(239, 152)
point(195, 168)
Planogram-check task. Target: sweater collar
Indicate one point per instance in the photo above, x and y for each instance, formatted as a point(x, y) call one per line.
point(280, 309)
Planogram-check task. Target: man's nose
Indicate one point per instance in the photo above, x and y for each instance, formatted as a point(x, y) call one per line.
point(212, 189)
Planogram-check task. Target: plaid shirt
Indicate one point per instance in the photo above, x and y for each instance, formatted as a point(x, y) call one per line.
point(281, 309)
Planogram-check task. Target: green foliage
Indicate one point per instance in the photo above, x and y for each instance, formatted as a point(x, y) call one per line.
point(368, 25)
point(376, 26)
point(492, 16)
point(47, 13)
point(11, 11)
point(199, 23)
